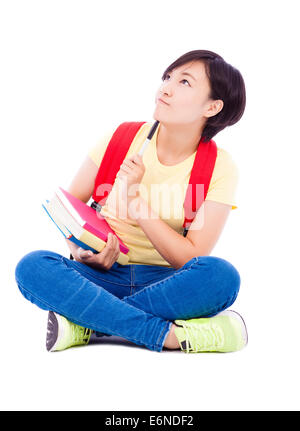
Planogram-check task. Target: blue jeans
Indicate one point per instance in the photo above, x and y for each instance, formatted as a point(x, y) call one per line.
point(135, 302)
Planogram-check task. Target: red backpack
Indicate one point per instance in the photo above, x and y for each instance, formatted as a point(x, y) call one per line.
point(117, 150)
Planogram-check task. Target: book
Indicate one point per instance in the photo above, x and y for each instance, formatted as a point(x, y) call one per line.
point(81, 224)
point(64, 230)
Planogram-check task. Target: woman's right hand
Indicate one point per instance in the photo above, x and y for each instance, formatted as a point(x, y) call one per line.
point(102, 260)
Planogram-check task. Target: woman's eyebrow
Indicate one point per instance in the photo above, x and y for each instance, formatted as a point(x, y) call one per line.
point(186, 73)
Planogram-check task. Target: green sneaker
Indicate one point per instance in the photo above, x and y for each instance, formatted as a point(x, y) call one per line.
point(61, 333)
point(225, 332)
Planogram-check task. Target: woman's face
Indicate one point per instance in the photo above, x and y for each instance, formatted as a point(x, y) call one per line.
point(186, 89)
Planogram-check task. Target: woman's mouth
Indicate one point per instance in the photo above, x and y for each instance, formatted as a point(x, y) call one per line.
point(162, 101)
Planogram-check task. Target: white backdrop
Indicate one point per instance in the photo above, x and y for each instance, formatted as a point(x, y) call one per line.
point(69, 71)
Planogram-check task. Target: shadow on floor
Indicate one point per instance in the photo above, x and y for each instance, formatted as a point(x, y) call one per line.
point(119, 341)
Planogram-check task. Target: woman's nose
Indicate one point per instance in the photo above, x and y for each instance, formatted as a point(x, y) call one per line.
point(165, 88)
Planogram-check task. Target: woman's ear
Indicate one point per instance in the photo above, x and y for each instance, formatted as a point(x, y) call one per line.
point(214, 108)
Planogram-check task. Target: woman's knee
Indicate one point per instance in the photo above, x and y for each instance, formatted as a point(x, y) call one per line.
point(223, 276)
point(29, 275)
point(33, 263)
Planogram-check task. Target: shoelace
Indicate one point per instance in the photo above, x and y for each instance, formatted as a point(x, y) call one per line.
point(203, 337)
point(80, 334)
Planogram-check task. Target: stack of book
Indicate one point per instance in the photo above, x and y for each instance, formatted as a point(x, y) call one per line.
point(81, 224)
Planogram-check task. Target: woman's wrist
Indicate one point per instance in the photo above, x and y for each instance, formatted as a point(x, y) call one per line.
point(133, 204)
point(139, 209)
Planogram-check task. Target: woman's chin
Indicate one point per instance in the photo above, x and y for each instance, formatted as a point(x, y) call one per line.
point(158, 116)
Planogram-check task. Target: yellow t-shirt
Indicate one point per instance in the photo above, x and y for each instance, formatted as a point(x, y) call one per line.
point(164, 187)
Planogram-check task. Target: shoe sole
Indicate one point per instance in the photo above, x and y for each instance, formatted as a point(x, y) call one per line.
point(54, 331)
point(242, 323)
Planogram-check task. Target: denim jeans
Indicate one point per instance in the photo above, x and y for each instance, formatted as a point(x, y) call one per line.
point(135, 302)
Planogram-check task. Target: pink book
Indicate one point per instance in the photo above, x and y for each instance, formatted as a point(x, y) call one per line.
point(87, 217)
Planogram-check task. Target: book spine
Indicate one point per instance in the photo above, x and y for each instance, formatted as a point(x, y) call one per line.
point(81, 244)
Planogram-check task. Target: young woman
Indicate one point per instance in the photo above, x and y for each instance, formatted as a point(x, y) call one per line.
point(172, 294)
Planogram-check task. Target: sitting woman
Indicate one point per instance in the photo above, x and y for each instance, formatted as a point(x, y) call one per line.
point(171, 293)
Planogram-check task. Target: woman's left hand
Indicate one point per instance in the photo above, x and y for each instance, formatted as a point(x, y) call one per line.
point(131, 172)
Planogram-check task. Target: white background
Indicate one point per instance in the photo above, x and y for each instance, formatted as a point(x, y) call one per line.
point(69, 71)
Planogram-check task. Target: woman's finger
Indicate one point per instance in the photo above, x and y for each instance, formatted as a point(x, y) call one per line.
point(109, 250)
point(84, 254)
point(114, 245)
point(109, 244)
point(128, 163)
point(117, 243)
point(126, 168)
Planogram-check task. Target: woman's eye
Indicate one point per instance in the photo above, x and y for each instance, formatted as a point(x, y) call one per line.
point(180, 81)
point(186, 81)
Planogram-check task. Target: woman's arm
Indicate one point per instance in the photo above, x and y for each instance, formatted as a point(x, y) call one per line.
point(207, 226)
point(82, 185)
point(200, 239)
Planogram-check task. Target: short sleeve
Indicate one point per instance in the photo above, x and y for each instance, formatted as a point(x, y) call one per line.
point(224, 180)
point(97, 152)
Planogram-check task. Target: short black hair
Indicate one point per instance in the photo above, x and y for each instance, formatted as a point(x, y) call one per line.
point(226, 83)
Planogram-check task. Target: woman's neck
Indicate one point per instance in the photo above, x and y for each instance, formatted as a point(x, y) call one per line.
point(174, 145)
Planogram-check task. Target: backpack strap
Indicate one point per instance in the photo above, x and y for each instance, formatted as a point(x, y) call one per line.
point(200, 177)
point(114, 155)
